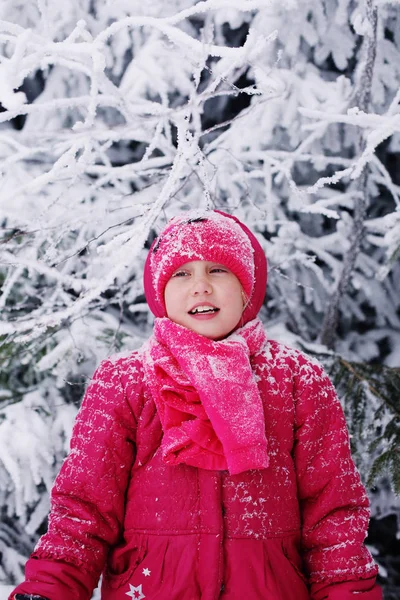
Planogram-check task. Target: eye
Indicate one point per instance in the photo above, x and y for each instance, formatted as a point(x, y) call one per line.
point(219, 270)
point(180, 274)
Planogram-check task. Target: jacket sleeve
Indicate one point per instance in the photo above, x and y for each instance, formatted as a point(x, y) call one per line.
point(87, 500)
point(333, 502)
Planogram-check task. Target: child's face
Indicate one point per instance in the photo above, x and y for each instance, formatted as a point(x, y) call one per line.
point(205, 297)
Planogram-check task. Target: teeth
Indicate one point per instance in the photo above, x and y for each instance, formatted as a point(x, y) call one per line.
point(202, 309)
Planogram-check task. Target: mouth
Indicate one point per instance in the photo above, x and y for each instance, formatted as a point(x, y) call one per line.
point(203, 309)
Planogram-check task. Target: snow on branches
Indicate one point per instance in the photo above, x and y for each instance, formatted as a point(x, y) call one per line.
point(117, 115)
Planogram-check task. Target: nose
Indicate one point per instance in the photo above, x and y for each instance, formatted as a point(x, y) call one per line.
point(201, 285)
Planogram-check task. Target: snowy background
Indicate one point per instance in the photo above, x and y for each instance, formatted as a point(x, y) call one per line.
point(116, 115)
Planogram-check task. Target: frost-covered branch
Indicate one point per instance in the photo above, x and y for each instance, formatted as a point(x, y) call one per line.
point(362, 98)
point(115, 120)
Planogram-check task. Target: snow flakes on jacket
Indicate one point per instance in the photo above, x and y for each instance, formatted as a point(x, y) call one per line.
point(292, 531)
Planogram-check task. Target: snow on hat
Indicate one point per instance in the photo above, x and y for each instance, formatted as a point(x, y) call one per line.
point(206, 235)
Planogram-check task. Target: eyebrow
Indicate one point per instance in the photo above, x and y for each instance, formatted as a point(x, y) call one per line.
point(211, 265)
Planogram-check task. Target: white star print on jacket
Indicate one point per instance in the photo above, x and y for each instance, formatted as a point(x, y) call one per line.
point(136, 592)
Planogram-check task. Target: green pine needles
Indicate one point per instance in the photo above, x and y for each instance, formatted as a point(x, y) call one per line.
point(370, 396)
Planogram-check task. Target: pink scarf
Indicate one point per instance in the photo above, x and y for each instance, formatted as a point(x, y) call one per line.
point(207, 398)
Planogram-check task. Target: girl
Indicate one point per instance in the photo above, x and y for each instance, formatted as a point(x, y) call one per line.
point(212, 463)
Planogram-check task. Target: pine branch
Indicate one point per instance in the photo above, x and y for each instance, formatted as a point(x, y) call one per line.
point(371, 400)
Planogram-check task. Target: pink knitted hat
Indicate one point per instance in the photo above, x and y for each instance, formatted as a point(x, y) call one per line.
point(212, 236)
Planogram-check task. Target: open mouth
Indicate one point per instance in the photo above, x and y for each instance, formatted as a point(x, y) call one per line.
point(203, 310)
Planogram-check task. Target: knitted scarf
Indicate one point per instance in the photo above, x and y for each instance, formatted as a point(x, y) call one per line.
point(206, 396)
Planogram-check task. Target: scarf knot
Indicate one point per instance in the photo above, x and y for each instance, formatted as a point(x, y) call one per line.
point(206, 396)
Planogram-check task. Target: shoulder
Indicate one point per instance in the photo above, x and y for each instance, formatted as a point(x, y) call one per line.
point(278, 355)
point(128, 364)
point(119, 380)
point(127, 367)
point(312, 391)
point(305, 372)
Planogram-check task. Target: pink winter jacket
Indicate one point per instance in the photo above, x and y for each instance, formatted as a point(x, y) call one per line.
point(292, 531)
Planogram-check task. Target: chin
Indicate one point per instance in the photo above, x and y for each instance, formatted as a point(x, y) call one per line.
point(212, 335)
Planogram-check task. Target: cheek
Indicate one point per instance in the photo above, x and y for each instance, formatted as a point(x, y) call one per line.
point(234, 298)
point(169, 296)
point(175, 295)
